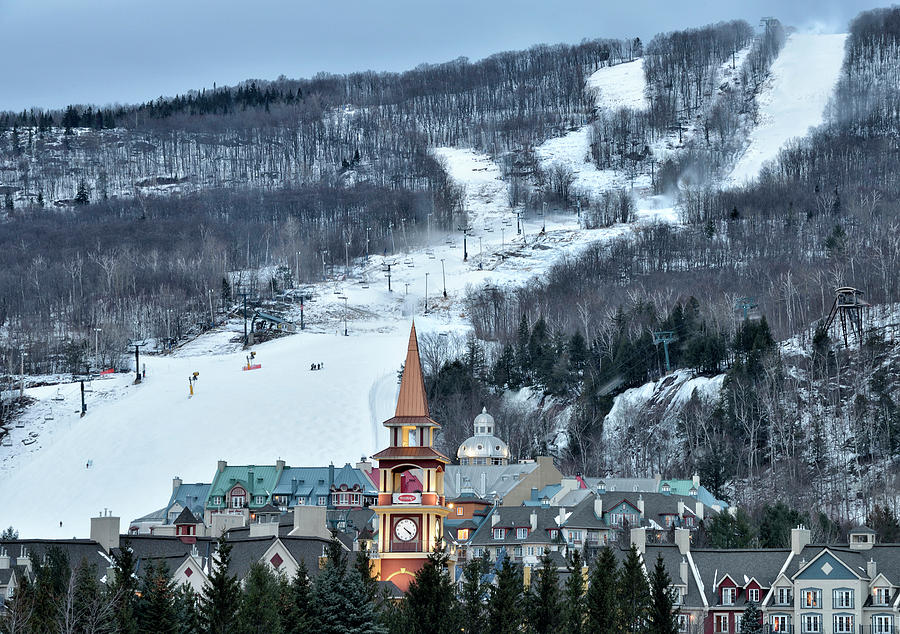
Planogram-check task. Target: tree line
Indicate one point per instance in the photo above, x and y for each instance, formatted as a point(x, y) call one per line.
point(606, 595)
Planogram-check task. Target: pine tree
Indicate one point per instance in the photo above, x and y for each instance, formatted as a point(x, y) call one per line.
point(473, 596)
point(302, 613)
point(222, 594)
point(156, 607)
point(430, 603)
point(123, 588)
point(543, 600)
point(40, 199)
point(602, 595)
point(81, 196)
point(634, 595)
point(751, 620)
point(505, 605)
point(259, 609)
point(662, 617)
point(573, 608)
point(522, 358)
point(341, 601)
point(226, 292)
point(365, 568)
point(187, 614)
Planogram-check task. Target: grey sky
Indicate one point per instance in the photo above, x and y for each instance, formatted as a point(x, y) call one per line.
point(57, 52)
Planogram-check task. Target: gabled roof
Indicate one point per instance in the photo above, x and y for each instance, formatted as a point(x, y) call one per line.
point(497, 478)
point(186, 517)
point(192, 496)
point(263, 481)
point(714, 564)
point(412, 400)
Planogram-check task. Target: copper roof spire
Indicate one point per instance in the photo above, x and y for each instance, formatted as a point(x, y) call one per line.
point(412, 400)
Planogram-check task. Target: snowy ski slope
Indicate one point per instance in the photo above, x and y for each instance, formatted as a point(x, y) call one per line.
point(794, 99)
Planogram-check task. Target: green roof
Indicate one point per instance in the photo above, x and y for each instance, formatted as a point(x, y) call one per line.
point(264, 479)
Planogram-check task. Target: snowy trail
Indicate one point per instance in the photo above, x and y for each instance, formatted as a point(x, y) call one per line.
point(802, 80)
point(152, 432)
point(620, 86)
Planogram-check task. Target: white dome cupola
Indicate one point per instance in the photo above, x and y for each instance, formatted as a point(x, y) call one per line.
point(483, 448)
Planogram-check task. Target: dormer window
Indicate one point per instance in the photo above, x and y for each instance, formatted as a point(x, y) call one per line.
point(499, 533)
point(666, 488)
point(881, 596)
point(753, 595)
point(259, 499)
point(783, 596)
point(728, 596)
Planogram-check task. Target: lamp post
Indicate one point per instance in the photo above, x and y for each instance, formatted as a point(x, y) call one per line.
point(22, 372)
point(345, 315)
point(426, 292)
point(347, 256)
point(367, 244)
point(465, 232)
point(324, 251)
point(97, 332)
point(298, 268)
point(544, 218)
point(444, 276)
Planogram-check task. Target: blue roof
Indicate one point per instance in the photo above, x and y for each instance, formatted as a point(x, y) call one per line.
point(310, 483)
point(547, 492)
point(190, 496)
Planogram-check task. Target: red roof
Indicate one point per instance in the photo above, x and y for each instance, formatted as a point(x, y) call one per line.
point(398, 453)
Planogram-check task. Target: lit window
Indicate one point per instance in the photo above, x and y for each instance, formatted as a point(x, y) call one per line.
point(810, 598)
point(882, 596)
point(779, 623)
point(462, 533)
point(459, 510)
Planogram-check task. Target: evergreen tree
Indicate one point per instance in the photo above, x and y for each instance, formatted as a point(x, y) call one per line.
point(341, 601)
point(634, 596)
point(70, 119)
point(221, 596)
point(123, 589)
point(40, 199)
point(226, 292)
point(523, 359)
point(302, 612)
point(727, 531)
point(885, 524)
point(89, 600)
point(574, 608)
point(602, 595)
point(365, 568)
point(662, 616)
point(187, 614)
point(430, 603)
point(544, 600)
point(81, 196)
point(777, 521)
point(473, 596)
point(259, 609)
point(156, 607)
point(751, 620)
point(504, 609)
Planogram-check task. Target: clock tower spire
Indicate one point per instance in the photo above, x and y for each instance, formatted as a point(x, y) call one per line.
point(411, 507)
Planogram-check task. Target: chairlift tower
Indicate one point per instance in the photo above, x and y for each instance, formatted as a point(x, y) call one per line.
point(848, 305)
point(745, 304)
point(664, 337)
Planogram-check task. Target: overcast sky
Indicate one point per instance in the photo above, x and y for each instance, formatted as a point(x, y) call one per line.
point(57, 52)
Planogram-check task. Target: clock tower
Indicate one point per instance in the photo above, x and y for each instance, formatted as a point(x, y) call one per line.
point(411, 507)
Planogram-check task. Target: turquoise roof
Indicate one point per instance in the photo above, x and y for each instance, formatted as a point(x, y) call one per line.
point(683, 487)
point(262, 483)
point(310, 483)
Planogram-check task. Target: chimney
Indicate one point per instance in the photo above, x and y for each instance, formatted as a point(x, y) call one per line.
point(598, 506)
point(683, 570)
point(640, 505)
point(639, 539)
point(458, 482)
point(696, 480)
point(680, 508)
point(533, 520)
point(221, 466)
point(799, 540)
point(871, 568)
point(561, 516)
point(683, 540)
point(176, 482)
point(495, 518)
point(700, 509)
point(483, 484)
point(657, 477)
point(105, 531)
point(366, 467)
point(534, 494)
point(279, 465)
point(309, 521)
point(4, 559)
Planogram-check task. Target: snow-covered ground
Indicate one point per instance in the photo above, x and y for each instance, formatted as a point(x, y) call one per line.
point(620, 86)
point(136, 438)
point(793, 101)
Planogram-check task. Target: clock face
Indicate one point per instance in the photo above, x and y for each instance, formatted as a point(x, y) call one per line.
point(405, 529)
